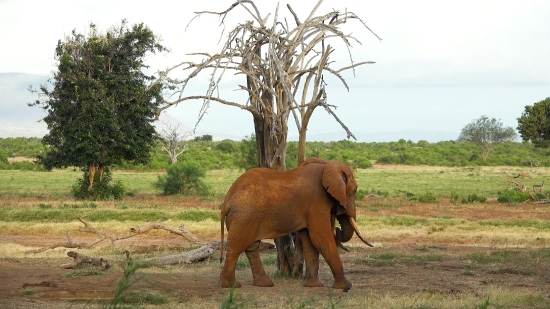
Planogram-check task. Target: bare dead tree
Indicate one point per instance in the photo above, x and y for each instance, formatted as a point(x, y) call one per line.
point(283, 66)
point(173, 140)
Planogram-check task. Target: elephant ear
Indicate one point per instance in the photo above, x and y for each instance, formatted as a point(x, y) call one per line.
point(334, 181)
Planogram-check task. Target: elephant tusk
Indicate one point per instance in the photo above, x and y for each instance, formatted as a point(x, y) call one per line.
point(352, 221)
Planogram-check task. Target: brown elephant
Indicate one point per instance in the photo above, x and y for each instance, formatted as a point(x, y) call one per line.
point(263, 203)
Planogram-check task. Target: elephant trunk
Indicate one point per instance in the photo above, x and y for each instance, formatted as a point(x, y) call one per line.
point(347, 228)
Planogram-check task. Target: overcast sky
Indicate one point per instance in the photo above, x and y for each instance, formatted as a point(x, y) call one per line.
point(440, 64)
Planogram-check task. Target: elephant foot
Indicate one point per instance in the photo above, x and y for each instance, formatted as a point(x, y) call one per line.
point(263, 281)
point(342, 284)
point(313, 283)
point(232, 283)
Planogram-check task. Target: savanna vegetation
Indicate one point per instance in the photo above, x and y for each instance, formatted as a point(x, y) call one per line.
point(228, 154)
point(427, 223)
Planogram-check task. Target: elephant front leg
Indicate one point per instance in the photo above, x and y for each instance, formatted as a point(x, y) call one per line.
point(312, 260)
point(324, 241)
point(258, 271)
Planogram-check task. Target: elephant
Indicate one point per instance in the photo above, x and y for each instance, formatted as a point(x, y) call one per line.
point(263, 203)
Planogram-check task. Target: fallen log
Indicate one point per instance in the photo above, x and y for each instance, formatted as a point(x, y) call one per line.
point(189, 257)
point(80, 259)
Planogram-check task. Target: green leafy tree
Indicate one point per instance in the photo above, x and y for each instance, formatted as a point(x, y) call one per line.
point(100, 104)
point(204, 138)
point(486, 133)
point(247, 157)
point(534, 124)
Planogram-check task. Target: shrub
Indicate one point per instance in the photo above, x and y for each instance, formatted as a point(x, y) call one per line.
point(226, 146)
point(513, 197)
point(472, 198)
point(183, 178)
point(3, 157)
point(362, 163)
point(102, 190)
point(427, 197)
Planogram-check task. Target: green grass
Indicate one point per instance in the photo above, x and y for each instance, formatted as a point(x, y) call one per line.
point(407, 183)
point(496, 257)
point(58, 182)
point(198, 215)
point(61, 215)
point(525, 223)
point(485, 182)
point(386, 259)
point(82, 273)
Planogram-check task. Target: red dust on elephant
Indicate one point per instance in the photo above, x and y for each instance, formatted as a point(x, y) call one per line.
point(263, 203)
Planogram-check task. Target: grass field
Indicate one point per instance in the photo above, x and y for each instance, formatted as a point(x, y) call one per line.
point(440, 254)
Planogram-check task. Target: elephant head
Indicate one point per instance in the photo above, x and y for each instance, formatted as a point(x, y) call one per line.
point(340, 183)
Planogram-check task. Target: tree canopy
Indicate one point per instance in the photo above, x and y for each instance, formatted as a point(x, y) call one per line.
point(534, 123)
point(100, 104)
point(486, 133)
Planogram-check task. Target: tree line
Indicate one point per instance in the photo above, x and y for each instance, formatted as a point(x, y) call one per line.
point(228, 154)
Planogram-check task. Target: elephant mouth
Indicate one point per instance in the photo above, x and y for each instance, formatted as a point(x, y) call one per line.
point(338, 235)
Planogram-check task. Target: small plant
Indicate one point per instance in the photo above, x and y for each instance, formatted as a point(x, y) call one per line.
point(125, 283)
point(183, 178)
point(44, 206)
point(230, 301)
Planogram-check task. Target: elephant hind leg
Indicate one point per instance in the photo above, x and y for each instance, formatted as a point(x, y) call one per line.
point(312, 260)
point(258, 272)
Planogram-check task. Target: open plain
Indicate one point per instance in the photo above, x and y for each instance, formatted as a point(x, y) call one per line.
point(445, 253)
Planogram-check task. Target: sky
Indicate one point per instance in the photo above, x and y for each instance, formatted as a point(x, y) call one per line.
point(439, 66)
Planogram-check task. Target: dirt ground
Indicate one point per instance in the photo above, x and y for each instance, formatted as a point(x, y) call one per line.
point(30, 282)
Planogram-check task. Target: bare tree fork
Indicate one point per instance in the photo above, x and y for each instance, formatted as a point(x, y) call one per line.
point(533, 163)
point(521, 175)
point(173, 140)
point(181, 231)
point(283, 65)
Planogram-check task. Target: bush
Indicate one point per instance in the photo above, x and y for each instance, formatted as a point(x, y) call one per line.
point(471, 198)
point(513, 197)
point(183, 178)
point(3, 157)
point(102, 190)
point(427, 197)
point(362, 163)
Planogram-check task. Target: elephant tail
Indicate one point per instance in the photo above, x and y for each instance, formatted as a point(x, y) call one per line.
point(222, 220)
